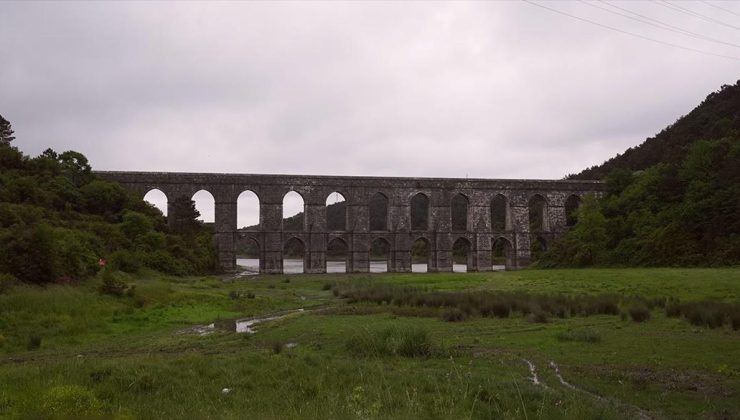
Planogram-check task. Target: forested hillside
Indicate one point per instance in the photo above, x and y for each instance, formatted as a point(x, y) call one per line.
point(673, 200)
point(57, 221)
point(717, 117)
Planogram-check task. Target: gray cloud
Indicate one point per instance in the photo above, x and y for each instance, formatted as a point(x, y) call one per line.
point(496, 90)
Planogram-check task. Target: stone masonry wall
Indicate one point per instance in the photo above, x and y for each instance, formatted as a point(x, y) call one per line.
point(271, 238)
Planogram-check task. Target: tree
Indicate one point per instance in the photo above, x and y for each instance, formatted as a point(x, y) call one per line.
point(6, 132)
point(184, 216)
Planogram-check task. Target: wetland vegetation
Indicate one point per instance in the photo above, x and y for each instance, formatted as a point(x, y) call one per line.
point(376, 346)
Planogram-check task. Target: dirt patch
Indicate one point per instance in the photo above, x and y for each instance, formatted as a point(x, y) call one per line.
point(668, 380)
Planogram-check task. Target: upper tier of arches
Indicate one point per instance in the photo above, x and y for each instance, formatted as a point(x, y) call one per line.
point(457, 212)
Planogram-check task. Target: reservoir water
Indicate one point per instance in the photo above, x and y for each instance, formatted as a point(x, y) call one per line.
point(295, 266)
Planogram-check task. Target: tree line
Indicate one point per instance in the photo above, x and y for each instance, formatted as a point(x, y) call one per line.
point(673, 200)
point(59, 223)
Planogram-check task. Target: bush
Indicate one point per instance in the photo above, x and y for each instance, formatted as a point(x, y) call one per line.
point(735, 321)
point(7, 281)
point(126, 261)
point(639, 313)
point(706, 313)
point(453, 315)
point(164, 262)
point(34, 342)
point(71, 401)
point(538, 317)
point(112, 285)
point(586, 335)
point(406, 342)
point(414, 343)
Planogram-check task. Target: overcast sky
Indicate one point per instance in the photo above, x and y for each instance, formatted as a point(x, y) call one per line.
point(490, 90)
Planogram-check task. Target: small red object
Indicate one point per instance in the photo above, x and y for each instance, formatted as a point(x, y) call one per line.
point(102, 262)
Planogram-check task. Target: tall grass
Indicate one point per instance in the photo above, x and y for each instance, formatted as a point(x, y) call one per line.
point(465, 304)
point(391, 341)
point(586, 335)
point(707, 313)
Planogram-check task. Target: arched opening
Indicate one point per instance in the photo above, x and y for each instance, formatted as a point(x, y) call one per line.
point(248, 211)
point(336, 212)
point(247, 255)
point(157, 199)
point(420, 212)
point(293, 212)
point(499, 214)
point(462, 257)
point(503, 255)
point(378, 208)
point(571, 210)
point(459, 212)
point(380, 255)
point(336, 256)
point(538, 214)
point(206, 206)
point(537, 247)
point(294, 256)
point(421, 255)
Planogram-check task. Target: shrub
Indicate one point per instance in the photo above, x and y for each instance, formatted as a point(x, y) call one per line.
point(126, 261)
point(414, 343)
point(234, 294)
point(162, 261)
point(406, 342)
point(453, 315)
point(34, 342)
point(326, 286)
point(136, 224)
point(112, 285)
point(706, 313)
point(735, 320)
point(7, 281)
point(586, 335)
point(250, 295)
point(500, 310)
point(639, 313)
point(71, 401)
point(538, 316)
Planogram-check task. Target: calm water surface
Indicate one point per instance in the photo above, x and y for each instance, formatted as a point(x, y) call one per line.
point(295, 266)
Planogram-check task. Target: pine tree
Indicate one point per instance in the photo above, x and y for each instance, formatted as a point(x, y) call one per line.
point(6, 132)
point(184, 216)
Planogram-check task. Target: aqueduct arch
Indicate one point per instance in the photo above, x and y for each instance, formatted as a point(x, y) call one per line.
point(402, 210)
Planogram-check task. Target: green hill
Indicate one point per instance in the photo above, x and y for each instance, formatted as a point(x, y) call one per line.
point(673, 200)
point(717, 117)
point(57, 221)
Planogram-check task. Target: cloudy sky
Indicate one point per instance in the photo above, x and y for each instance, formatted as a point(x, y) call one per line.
point(487, 89)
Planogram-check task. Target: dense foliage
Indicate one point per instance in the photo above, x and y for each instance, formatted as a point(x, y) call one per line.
point(57, 221)
point(681, 207)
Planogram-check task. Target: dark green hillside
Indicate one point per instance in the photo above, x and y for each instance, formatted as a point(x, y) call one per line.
point(674, 200)
point(57, 221)
point(717, 117)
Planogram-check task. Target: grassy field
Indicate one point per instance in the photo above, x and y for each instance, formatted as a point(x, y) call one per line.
point(69, 351)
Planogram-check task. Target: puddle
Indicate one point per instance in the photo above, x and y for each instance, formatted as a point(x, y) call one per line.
point(241, 326)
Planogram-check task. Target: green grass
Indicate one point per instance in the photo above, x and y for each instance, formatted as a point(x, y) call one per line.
point(135, 356)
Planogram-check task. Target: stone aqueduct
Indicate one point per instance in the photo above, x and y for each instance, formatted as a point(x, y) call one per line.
point(479, 232)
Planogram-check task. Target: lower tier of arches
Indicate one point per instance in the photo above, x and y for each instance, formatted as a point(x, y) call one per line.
point(282, 252)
